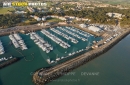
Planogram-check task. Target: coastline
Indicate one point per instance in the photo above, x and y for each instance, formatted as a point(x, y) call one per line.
point(51, 73)
point(46, 75)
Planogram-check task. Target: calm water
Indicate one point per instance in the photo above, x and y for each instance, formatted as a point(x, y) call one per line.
point(112, 67)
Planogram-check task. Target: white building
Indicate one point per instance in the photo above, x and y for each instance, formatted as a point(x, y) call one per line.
point(37, 18)
point(20, 12)
point(78, 19)
point(93, 28)
point(115, 15)
point(83, 25)
point(62, 18)
point(43, 18)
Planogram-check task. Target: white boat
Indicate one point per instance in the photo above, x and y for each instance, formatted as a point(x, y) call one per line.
point(1, 48)
point(57, 59)
point(52, 61)
point(48, 60)
point(62, 57)
point(69, 54)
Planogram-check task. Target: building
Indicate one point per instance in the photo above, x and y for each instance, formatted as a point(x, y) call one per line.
point(37, 18)
point(44, 18)
point(20, 12)
point(83, 25)
point(30, 9)
point(78, 19)
point(93, 28)
point(115, 15)
point(70, 17)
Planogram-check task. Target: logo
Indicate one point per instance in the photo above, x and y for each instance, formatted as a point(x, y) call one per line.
point(22, 4)
point(19, 4)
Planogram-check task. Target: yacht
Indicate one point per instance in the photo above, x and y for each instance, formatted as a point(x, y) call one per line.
point(69, 54)
point(57, 59)
point(62, 57)
point(55, 39)
point(52, 61)
point(1, 48)
point(47, 50)
point(48, 60)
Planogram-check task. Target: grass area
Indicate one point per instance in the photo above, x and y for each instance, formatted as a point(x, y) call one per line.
point(6, 10)
point(53, 20)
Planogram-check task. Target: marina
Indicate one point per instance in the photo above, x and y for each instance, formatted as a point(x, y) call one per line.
point(40, 42)
point(48, 38)
point(56, 39)
point(49, 41)
point(65, 42)
point(45, 75)
point(73, 40)
point(18, 41)
point(71, 33)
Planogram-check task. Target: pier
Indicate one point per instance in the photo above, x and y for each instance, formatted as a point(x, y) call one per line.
point(6, 63)
point(45, 75)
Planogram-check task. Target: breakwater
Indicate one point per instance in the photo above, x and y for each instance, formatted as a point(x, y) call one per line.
point(6, 63)
point(43, 76)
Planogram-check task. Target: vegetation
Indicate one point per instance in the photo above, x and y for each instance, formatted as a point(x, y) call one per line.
point(53, 20)
point(6, 10)
point(9, 20)
point(98, 15)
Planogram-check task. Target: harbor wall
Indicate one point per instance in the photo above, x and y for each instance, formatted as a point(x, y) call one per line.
point(44, 76)
point(6, 63)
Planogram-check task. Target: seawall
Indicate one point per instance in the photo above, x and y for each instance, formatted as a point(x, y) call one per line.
point(43, 76)
point(6, 63)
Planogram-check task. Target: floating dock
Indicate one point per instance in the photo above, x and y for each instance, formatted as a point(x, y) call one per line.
point(45, 75)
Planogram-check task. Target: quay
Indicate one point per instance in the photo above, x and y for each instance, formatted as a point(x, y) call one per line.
point(21, 29)
point(6, 63)
point(35, 27)
point(45, 75)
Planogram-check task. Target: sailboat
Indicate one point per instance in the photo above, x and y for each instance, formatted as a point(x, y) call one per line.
point(73, 52)
point(57, 58)
point(88, 46)
point(48, 60)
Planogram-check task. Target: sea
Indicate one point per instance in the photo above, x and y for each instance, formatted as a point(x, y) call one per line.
point(110, 68)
